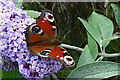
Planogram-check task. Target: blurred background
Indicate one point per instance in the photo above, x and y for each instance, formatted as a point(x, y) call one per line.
point(70, 29)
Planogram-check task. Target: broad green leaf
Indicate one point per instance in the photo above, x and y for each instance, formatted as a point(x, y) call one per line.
point(8, 74)
point(32, 13)
point(92, 45)
point(96, 70)
point(99, 26)
point(109, 39)
point(102, 24)
point(85, 57)
point(93, 31)
point(19, 3)
point(116, 10)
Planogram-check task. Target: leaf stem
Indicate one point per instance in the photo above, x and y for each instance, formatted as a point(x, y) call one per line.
point(71, 47)
point(109, 55)
point(100, 58)
point(93, 6)
point(81, 49)
point(54, 76)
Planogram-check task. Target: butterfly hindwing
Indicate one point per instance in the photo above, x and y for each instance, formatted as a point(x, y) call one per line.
point(61, 54)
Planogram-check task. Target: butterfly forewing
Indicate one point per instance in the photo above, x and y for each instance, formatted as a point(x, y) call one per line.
point(45, 23)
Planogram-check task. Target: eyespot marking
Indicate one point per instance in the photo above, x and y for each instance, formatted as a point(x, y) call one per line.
point(68, 60)
point(36, 29)
point(48, 15)
point(45, 52)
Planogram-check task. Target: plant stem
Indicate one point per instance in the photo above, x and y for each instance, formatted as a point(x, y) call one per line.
point(71, 47)
point(93, 6)
point(109, 55)
point(100, 58)
point(81, 49)
point(54, 76)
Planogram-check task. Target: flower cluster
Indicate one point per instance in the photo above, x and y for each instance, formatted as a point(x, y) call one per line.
point(13, 47)
point(35, 67)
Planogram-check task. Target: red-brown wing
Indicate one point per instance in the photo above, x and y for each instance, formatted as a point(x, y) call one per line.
point(45, 25)
point(62, 55)
point(37, 37)
point(40, 48)
point(39, 42)
point(57, 53)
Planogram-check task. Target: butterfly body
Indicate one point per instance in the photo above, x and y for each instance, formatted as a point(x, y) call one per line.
point(42, 41)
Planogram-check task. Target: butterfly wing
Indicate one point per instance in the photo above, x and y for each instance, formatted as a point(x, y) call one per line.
point(61, 54)
point(47, 23)
point(46, 26)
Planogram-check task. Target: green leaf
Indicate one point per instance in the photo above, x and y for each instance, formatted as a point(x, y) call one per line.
point(109, 39)
point(85, 57)
point(93, 31)
point(99, 26)
point(11, 74)
point(96, 70)
point(92, 45)
point(102, 24)
point(116, 10)
point(32, 13)
point(19, 3)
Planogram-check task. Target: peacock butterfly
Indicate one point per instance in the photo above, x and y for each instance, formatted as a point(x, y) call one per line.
point(41, 39)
